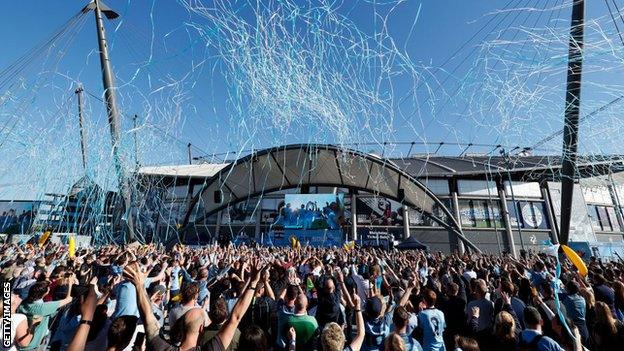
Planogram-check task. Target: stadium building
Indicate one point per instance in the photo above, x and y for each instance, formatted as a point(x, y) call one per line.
point(494, 203)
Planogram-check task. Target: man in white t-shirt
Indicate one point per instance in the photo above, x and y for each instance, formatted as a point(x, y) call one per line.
point(469, 273)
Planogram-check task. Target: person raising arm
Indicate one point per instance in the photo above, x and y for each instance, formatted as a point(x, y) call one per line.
point(356, 343)
point(87, 309)
point(226, 333)
point(152, 327)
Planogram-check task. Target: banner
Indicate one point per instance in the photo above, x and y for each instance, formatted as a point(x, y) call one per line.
point(378, 236)
point(316, 238)
point(379, 211)
point(309, 220)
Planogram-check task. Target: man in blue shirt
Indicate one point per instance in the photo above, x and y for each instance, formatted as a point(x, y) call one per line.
point(376, 324)
point(539, 275)
point(431, 324)
point(285, 309)
point(400, 321)
point(125, 294)
point(575, 308)
point(531, 338)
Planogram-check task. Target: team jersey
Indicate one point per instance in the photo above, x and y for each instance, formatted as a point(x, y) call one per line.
point(432, 324)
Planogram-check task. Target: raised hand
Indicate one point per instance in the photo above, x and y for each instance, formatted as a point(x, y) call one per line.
point(506, 298)
point(414, 283)
point(256, 271)
point(357, 301)
point(476, 311)
point(339, 275)
point(133, 273)
point(537, 299)
point(87, 308)
point(292, 334)
point(266, 275)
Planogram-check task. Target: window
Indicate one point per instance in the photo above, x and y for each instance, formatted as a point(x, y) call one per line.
point(418, 218)
point(528, 214)
point(466, 213)
point(439, 213)
point(614, 221)
point(593, 216)
point(480, 214)
point(603, 218)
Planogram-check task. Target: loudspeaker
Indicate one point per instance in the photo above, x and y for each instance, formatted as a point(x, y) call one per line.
point(218, 197)
point(305, 189)
point(401, 194)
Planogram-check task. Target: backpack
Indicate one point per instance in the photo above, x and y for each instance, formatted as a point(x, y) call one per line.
point(530, 346)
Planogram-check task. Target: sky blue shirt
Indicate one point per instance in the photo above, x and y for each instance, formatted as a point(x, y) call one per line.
point(126, 296)
point(431, 322)
point(575, 308)
point(375, 333)
point(376, 330)
point(411, 344)
point(412, 323)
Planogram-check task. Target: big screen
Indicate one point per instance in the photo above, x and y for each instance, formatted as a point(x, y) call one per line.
point(314, 219)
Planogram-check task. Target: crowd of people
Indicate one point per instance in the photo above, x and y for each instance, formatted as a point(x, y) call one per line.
point(146, 297)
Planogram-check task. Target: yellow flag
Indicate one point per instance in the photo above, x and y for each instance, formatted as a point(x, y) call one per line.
point(294, 242)
point(44, 237)
point(575, 259)
point(348, 246)
point(72, 246)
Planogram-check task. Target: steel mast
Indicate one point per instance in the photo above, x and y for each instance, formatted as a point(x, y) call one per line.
point(571, 119)
point(110, 95)
point(83, 143)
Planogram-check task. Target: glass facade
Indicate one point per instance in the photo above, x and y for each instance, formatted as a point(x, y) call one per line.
point(479, 208)
point(480, 213)
point(603, 218)
point(419, 219)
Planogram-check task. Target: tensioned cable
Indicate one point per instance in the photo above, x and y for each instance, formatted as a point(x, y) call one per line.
point(454, 70)
point(521, 50)
point(23, 62)
point(617, 9)
point(614, 21)
point(75, 28)
point(461, 85)
point(155, 127)
point(594, 112)
point(448, 59)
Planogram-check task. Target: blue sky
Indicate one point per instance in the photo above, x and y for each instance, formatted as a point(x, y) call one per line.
point(171, 75)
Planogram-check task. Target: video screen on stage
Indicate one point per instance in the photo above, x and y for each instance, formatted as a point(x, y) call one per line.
point(17, 216)
point(312, 211)
point(313, 219)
